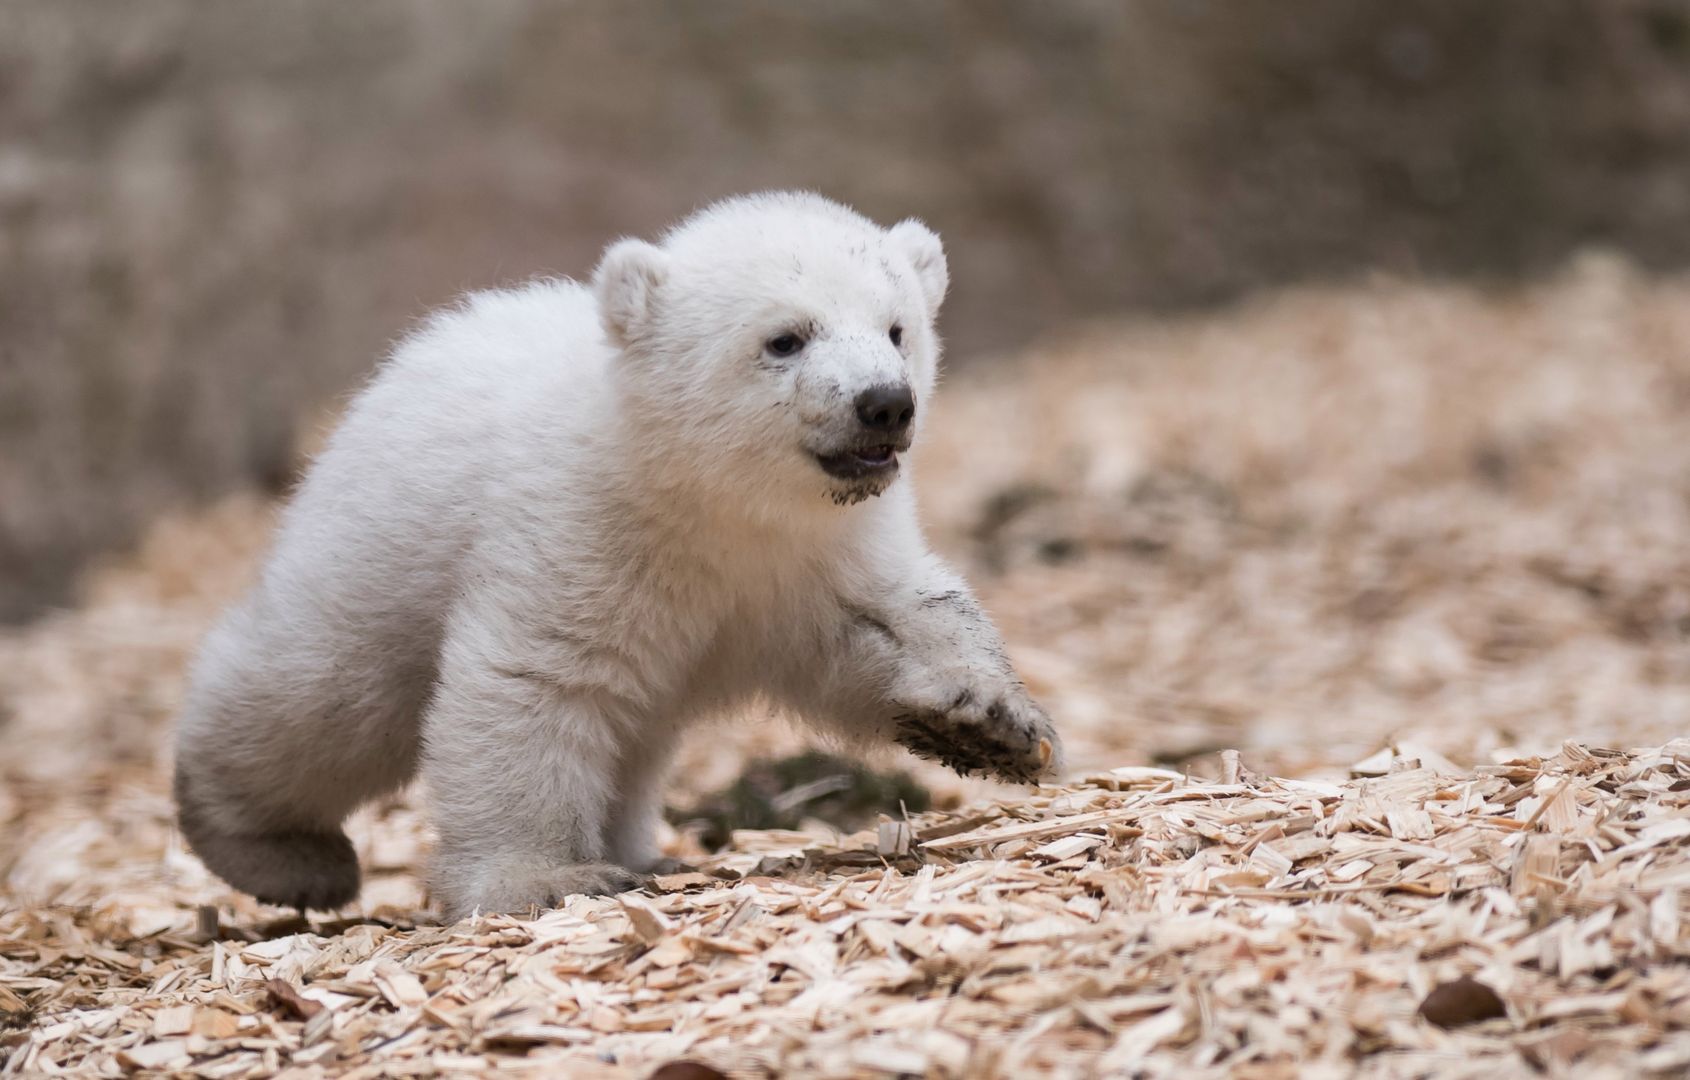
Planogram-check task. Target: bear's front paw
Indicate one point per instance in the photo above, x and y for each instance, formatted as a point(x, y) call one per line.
point(517, 889)
point(1004, 735)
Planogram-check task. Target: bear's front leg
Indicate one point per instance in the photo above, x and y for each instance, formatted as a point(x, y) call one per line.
point(520, 771)
point(938, 681)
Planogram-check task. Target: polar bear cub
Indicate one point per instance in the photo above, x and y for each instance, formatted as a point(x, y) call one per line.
point(562, 523)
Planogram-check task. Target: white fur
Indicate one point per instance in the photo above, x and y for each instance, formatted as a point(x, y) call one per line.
point(562, 524)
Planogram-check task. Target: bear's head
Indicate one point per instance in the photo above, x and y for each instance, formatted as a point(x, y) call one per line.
point(780, 347)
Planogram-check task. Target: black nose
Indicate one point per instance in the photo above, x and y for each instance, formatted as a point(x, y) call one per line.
point(886, 408)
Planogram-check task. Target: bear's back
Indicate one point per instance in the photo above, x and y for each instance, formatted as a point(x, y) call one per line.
point(478, 393)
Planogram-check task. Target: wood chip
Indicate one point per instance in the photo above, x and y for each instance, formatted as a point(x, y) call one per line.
point(650, 925)
point(893, 838)
point(289, 998)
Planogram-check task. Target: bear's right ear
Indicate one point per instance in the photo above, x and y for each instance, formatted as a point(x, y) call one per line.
point(626, 284)
point(927, 254)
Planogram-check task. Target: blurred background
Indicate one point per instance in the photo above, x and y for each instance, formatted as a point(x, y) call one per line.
point(1319, 371)
point(214, 217)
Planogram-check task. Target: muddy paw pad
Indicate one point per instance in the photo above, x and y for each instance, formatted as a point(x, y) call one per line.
point(970, 749)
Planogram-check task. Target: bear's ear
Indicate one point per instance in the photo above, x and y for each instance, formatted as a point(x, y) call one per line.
point(626, 283)
point(927, 255)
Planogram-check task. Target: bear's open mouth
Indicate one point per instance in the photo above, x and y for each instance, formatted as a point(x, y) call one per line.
point(861, 462)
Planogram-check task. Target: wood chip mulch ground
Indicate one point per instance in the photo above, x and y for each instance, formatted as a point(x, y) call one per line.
point(1523, 916)
point(1420, 553)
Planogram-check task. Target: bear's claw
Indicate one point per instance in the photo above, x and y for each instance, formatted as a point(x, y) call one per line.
point(1016, 745)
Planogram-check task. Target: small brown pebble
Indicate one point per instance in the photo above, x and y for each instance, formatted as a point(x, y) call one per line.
point(687, 1070)
point(1464, 1001)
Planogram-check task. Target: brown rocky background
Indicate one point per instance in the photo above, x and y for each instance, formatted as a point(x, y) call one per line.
point(213, 216)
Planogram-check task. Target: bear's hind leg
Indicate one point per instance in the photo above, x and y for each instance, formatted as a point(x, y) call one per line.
point(277, 745)
point(304, 867)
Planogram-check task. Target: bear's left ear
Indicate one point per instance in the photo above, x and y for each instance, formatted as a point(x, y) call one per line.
point(626, 283)
point(927, 255)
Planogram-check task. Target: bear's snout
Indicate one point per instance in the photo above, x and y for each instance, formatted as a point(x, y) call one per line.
point(886, 409)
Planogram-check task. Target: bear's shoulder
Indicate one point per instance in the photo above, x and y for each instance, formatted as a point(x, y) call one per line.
point(544, 309)
point(527, 330)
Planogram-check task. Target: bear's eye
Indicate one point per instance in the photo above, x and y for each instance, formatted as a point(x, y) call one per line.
point(784, 344)
point(896, 334)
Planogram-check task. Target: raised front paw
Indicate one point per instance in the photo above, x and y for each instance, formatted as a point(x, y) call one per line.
point(1004, 734)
